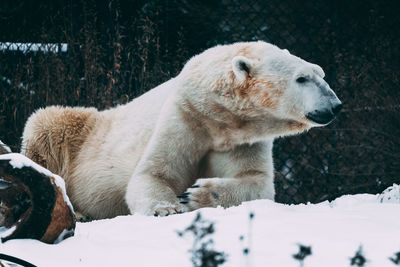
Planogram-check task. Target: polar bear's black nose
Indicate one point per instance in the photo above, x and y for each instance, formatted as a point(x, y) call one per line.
point(336, 109)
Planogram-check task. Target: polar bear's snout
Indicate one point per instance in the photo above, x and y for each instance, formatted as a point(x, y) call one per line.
point(324, 116)
point(329, 107)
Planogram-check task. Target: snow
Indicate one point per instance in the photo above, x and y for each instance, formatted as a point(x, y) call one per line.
point(19, 161)
point(63, 235)
point(335, 230)
point(4, 184)
point(391, 194)
point(4, 231)
point(7, 148)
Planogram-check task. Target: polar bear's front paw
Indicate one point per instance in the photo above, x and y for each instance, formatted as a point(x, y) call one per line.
point(199, 196)
point(165, 210)
point(80, 217)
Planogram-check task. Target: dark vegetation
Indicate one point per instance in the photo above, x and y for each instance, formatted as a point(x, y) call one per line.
point(118, 49)
point(396, 258)
point(358, 259)
point(203, 253)
point(304, 252)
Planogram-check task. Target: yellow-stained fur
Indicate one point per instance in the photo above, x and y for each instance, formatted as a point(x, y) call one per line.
point(54, 136)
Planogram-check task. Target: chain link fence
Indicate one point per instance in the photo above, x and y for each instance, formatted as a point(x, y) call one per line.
point(104, 53)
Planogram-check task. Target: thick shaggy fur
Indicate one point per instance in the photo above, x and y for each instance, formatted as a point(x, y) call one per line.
point(213, 125)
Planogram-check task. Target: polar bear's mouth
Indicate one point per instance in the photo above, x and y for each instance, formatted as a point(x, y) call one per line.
point(324, 116)
point(320, 117)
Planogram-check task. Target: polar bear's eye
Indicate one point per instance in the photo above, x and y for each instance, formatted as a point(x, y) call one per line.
point(301, 80)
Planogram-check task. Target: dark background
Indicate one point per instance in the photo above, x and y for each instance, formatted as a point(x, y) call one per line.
point(119, 49)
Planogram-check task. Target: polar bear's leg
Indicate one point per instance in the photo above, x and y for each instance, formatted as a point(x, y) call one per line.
point(149, 195)
point(167, 168)
point(226, 192)
point(246, 174)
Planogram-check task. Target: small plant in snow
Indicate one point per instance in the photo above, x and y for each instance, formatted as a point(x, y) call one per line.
point(358, 259)
point(304, 251)
point(247, 249)
point(203, 253)
point(396, 258)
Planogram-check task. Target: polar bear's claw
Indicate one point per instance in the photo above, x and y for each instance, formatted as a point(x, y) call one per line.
point(200, 196)
point(165, 211)
point(184, 195)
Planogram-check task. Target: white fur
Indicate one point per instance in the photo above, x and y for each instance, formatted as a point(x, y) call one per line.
point(207, 126)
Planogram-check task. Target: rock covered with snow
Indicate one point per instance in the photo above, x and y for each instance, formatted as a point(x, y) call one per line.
point(390, 195)
point(34, 203)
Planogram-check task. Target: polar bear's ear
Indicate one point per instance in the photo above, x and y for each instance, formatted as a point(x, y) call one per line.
point(242, 67)
point(318, 70)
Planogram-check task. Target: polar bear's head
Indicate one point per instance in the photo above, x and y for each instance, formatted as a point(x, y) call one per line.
point(284, 85)
point(262, 82)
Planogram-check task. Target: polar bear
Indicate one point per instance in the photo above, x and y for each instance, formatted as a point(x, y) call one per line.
point(201, 139)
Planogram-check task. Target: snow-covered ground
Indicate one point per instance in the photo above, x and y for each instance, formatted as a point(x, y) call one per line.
point(334, 230)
